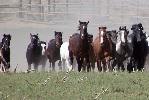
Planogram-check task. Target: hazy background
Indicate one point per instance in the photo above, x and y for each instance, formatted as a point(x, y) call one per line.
point(22, 17)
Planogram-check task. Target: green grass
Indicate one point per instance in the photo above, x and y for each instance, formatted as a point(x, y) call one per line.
point(76, 86)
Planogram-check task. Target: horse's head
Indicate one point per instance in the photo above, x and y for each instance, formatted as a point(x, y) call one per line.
point(58, 38)
point(102, 34)
point(90, 38)
point(83, 29)
point(112, 35)
point(122, 34)
point(140, 26)
point(34, 39)
point(137, 30)
point(43, 45)
point(6, 41)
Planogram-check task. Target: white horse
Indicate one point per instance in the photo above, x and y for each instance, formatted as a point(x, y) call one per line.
point(64, 53)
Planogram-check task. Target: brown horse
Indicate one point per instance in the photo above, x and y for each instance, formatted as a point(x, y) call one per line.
point(79, 46)
point(53, 50)
point(102, 50)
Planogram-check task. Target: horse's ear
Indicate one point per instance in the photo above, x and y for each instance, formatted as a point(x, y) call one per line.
point(4, 35)
point(55, 33)
point(128, 31)
point(125, 27)
point(120, 28)
point(37, 34)
point(114, 31)
point(79, 21)
point(9, 37)
point(87, 22)
point(30, 34)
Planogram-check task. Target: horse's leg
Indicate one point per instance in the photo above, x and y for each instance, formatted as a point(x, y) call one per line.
point(53, 66)
point(36, 67)
point(93, 65)
point(60, 65)
point(99, 65)
point(88, 64)
point(122, 67)
point(79, 63)
point(4, 66)
point(71, 58)
point(63, 65)
point(108, 65)
point(84, 63)
point(50, 66)
point(29, 67)
point(104, 65)
point(140, 64)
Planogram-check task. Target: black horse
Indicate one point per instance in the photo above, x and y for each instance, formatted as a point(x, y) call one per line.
point(5, 51)
point(53, 50)
point(140, 46)
point(36, 52)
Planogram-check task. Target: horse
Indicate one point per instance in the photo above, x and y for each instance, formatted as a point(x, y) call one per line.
point(79, 47)
point(91, 52)
point(35, 53)
point(140, 46)
point(102, 49)
point(53, 50)
point(124, 48)
point(64, 53)
point(43, 58)
point(5, 51)
point(112, 36)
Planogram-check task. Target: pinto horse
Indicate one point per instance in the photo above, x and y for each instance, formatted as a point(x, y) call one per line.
point(79, 47)
point(35, 53)
point(124, 48)
point(5, 51)
point(102, 50)
point(53, 50)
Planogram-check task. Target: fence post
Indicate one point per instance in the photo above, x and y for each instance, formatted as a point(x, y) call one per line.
point(67, 6)
point(41, 10)
point(49, 6)
point(54, 5)
point(29, 9)
point(20, 9)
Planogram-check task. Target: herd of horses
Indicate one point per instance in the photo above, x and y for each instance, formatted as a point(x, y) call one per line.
point(110, 50)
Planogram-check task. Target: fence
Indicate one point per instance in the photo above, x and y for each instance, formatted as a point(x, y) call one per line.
point(100, 12)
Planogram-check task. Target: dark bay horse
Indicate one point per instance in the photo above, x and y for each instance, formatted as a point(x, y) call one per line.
point(112, 36)
point(5, 51)
point(79, 47)
point(140, 46)
point(35, 53)
point(102, 50)
point(53, 50)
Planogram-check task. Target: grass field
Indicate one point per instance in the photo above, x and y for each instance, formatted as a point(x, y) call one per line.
point(74, 86)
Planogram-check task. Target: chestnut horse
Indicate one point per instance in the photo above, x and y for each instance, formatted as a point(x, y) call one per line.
point(102, 50)
point(79, 46)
